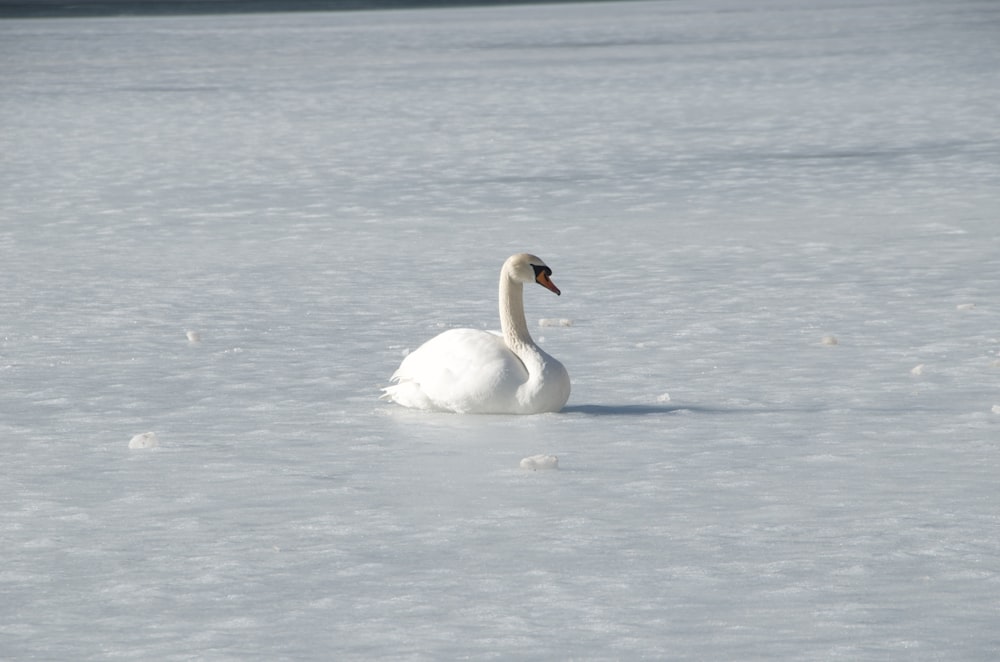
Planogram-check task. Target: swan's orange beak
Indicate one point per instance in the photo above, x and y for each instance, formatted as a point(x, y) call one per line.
point(543, 279)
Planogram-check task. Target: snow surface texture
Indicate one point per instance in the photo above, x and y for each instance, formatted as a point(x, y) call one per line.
point(144, 440)
point(718, 186)
point(536, 462)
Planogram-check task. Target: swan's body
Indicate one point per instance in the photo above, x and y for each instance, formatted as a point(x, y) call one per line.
point(484, 372)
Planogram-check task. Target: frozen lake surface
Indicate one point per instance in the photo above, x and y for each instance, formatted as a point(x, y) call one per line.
point(775, 227)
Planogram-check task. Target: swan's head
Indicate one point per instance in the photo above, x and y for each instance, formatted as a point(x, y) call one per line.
point(527, 268)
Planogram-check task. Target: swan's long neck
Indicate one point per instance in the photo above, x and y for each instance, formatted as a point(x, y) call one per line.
point(513, 323)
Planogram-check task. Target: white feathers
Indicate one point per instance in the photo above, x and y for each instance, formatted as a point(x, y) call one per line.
point(484, 372)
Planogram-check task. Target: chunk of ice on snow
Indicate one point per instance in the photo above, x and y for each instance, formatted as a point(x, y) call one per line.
point(536, 462)
point(996, 409)
point(144, 440)
point(829, 341)
point(965, 306)
point(555, 322)
point(193, 337)
point(918, 370)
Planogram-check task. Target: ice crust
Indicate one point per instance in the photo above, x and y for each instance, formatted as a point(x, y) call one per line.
point(717, 187)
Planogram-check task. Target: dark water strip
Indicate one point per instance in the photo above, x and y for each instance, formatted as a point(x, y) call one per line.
point(84, 8)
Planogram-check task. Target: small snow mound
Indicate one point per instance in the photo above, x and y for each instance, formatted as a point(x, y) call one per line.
point(554, 322)
point(829, 341)
point(663, 397)
point(144, 440)
point(536, 462)
point(193, 337)
point(996, 409)
point(918, 370)
point(965, 306)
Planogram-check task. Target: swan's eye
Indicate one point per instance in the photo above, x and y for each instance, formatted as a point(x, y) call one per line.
point(539, 270)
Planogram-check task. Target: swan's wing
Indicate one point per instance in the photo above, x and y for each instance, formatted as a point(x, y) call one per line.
point(461, 370)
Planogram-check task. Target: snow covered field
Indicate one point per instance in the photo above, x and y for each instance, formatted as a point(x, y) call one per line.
point(776, 227)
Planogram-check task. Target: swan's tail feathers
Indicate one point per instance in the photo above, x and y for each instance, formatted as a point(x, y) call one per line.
point(407, 393)
point(389, 392)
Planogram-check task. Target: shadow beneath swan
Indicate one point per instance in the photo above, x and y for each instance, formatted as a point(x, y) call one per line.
point(652, 410)
point(631, 410)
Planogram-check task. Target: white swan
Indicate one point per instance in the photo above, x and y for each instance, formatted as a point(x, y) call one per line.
point(485, 372)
